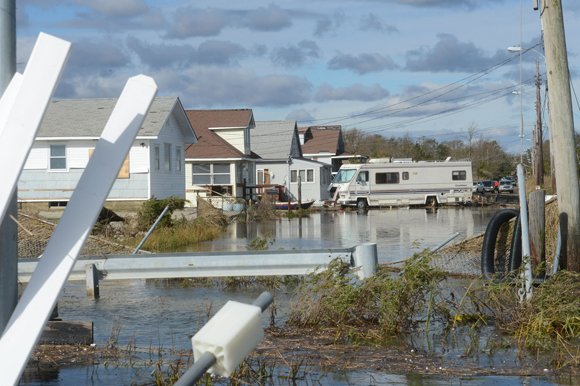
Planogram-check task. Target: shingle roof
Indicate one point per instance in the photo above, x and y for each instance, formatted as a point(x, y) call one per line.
point(275, 139)
point(86, 118)
point(323, 140)
point(209, 144)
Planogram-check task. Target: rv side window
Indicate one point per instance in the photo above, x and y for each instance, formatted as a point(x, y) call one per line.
point(387, 178)
point(363, 177)
point(458, 175)
point(405, 175)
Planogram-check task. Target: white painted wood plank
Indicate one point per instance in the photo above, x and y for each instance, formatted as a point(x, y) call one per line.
point(39, 80)
point(34, 308)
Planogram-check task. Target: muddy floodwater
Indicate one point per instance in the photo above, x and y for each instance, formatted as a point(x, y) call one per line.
point(155, 319)
point(398, 232)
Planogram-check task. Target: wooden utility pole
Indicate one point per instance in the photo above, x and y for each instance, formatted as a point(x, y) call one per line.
point(562, 128)
point(538, 134)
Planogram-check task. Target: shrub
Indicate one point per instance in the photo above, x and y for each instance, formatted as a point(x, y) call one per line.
point(152, 209)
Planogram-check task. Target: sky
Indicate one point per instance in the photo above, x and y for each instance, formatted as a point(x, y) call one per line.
point(419, 68)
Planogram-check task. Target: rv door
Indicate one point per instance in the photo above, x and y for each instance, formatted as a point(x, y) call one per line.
point(362, 183)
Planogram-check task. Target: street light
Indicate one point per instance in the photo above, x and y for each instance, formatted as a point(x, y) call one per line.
point(537, 146)
point(519, 50)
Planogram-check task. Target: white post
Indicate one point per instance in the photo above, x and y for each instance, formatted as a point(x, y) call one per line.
point(21, 109)
point(366, 260)
point(32, 312)
point(23, 120)
point(526, 253)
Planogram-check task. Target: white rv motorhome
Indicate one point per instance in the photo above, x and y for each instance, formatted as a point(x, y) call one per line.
point(403, 183)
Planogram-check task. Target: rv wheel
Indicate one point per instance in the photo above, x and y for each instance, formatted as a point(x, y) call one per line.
point(362, 203)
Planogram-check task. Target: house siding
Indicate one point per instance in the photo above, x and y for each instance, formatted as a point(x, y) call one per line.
point(38, 183)
point(235, 137)
point(316, 190)
point(167, 183)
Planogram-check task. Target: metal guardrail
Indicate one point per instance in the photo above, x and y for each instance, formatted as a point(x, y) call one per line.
point(217, 264)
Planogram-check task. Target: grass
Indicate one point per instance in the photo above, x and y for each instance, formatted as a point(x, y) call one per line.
point(549, 322)
point(182, 234)
point(390, 305)
point(372, 311)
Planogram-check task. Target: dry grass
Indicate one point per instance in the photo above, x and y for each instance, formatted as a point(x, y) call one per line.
point(371, 311)
point(34, 233)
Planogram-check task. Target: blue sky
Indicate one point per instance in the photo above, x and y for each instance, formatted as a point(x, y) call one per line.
point(393, 67)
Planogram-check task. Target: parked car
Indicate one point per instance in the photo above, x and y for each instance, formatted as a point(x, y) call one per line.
point(512, 180)
point(505, 186)
point(478, 188)
point(488, 186)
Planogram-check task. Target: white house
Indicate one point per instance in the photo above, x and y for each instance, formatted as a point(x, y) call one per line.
point(68, 135)
point(278, 145)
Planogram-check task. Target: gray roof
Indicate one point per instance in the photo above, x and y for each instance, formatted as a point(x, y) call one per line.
point(86, 118)
point(275, 139)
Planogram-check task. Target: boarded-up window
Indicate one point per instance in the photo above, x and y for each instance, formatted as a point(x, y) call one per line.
point(124, 171)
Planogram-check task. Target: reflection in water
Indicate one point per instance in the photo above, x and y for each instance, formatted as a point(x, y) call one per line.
point(398, 232)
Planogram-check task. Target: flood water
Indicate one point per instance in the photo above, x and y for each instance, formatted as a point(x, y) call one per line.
point(398, 233)
point(155, 318)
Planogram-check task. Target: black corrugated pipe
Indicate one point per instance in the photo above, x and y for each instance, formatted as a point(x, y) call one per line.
point(488, 259)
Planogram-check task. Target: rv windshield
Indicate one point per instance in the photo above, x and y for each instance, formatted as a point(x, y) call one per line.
point(344, 175)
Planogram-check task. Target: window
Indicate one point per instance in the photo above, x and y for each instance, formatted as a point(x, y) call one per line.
point(221, 174)
point(344, 175)
point(178, 159)
point(211, 174)
point(259, 176)
point(167, 156)
point(363, 176)
point(305, 175)
point(57, 157)
point(405, 175)
point(263, 176)
point(387, 178)
point(458, 175)
point(157, 158)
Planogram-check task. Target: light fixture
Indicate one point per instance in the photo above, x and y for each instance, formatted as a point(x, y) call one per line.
point(519, 50)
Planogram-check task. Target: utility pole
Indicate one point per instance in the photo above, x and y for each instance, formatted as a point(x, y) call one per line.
point(562, 128)
point(8, 228)
point(538, 134)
